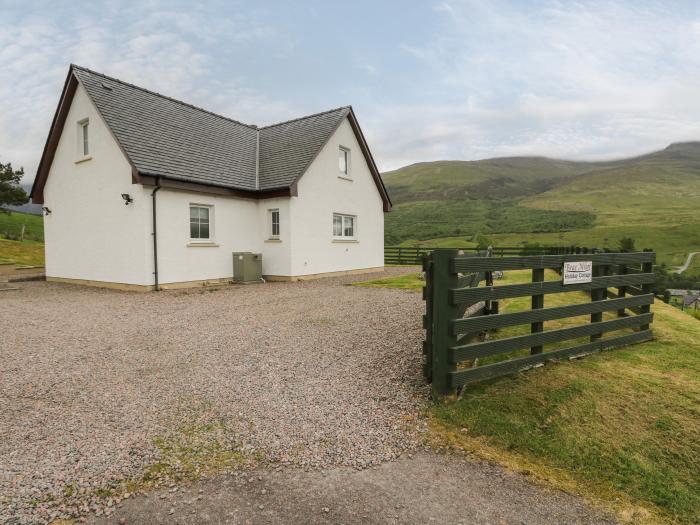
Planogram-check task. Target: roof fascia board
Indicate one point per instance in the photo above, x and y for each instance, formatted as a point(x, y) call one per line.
point(135, 177)
point(56, 130)
point(59, 119)
point(176, 184)
point(295, 182)
point(350, 115)
point(370, 160)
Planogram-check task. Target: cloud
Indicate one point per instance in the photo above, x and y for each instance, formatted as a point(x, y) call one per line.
point(585, 79)
point(458, 79)
point(168, 50)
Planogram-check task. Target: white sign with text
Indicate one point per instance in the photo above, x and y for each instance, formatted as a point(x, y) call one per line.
point(578, 272)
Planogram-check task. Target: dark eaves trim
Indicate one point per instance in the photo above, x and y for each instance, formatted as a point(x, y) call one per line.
point(59, 119)
point(175, 183)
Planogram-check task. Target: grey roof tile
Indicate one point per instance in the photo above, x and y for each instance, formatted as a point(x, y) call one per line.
point(168, 138)
point(287, 148)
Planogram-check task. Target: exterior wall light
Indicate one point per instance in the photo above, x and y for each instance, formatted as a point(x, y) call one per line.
point(127, 198)
point(46, 210)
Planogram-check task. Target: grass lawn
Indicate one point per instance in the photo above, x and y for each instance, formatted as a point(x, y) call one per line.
point(672, 242)
point(621, 427)
point(31, 250)
point(11, 226)
point(28, 252)
point(409, 281)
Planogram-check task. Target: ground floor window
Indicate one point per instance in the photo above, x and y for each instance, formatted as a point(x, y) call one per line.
point(344, 226)
point(274, 224)
point(200, 222)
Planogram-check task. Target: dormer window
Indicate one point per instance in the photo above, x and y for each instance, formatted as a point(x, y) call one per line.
point(344, 162)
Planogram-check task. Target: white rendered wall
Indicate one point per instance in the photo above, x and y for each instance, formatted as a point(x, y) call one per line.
point(90, 233)
point(234, 228)
point(277, 256)
point(322, 193)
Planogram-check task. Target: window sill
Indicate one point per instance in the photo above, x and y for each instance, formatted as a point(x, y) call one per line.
point(345, 177)
point(273, 240)
point(346, 240)
point(83, 159)
point(195, 244)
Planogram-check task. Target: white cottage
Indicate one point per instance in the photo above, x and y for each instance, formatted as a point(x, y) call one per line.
point(142, 191)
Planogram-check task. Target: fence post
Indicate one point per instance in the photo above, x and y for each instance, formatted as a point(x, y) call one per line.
point(537, 303)
point(647, 267)
point(598, 294)
point(443, 313)
point(428, 319)
point(621, 290)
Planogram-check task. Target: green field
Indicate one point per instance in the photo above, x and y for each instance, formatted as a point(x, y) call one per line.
point(11, 226)
point(513, 201)
point(31, 250)
point(671, 243)
point(622, 427)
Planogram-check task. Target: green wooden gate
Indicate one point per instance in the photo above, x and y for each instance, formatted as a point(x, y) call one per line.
point(462, 312)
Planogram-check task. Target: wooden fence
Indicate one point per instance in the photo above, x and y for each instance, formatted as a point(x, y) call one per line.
point(402, 255)
point(461, 312)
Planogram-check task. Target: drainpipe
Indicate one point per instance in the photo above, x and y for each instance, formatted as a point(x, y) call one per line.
point(155, 236)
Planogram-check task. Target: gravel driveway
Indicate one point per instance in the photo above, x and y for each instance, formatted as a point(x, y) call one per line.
point(312, 374)
point(99, 387)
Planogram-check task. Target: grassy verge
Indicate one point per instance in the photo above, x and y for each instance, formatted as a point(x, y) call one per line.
point(27, 252)
point(12, 223)
point(622, 427)
point(411, 281)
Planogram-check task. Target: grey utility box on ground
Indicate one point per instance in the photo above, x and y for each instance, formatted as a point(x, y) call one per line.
point(247, 267)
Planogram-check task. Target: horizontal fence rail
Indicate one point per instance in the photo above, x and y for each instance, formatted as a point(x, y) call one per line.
point(405, 255)
point(515, 365)
point(462, 311)
point(463, 326)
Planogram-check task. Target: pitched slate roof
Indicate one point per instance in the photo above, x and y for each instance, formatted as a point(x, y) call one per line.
point(164, 137)
point(179, 145)
point(287, 148)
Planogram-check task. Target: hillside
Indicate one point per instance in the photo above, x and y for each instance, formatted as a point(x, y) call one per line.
point(652, 198)
point(500, 178)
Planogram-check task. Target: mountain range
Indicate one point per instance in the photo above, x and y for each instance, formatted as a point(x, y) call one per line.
point(653, 198)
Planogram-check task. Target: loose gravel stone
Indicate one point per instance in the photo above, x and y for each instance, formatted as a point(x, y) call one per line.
point(311, 374)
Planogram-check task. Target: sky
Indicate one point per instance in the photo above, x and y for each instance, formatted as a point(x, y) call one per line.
point(428, 80)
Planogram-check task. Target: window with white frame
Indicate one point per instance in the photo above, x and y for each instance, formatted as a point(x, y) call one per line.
point(344, 162)
point(83, 138)
point(344, 226)
point(274, 223)
point(200, 222)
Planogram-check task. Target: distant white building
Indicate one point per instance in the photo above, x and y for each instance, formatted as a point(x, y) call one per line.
point(143, 190)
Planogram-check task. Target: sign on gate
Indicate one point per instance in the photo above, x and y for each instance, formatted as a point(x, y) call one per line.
point(578, 272)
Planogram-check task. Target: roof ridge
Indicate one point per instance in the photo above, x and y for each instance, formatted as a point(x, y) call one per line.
point(306, 116)
point(81, 68)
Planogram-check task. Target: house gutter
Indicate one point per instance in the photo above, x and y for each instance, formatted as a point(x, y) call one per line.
point(155, 236)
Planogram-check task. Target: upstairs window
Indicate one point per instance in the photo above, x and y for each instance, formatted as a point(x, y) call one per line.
point(200, 226)
point(274, 224)
point(344, 162)
point(84, 138)
point(344, 226)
